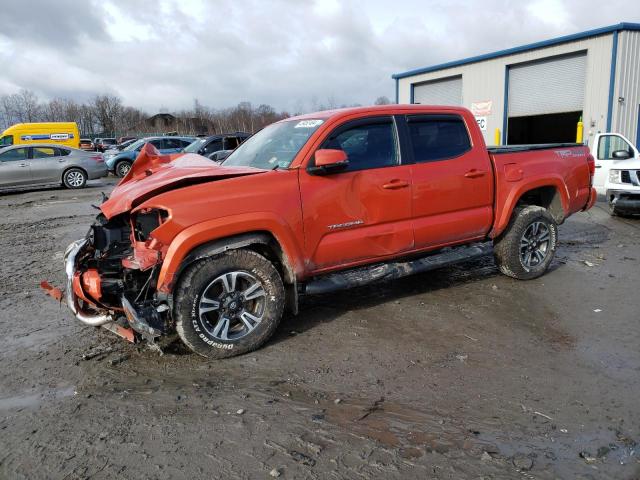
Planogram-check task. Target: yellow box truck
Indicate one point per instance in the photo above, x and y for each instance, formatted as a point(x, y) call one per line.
point(59, 133)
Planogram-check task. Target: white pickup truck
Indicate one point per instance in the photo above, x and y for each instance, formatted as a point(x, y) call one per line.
point(617, 173)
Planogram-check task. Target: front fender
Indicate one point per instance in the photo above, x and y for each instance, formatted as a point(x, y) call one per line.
point(196, 235)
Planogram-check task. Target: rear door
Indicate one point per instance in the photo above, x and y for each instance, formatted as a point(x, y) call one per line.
point(14, 167)
point(46, 164)
point(364, 212)
point(452, 182)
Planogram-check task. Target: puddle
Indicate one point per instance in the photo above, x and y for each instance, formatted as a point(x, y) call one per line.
point(35, 399)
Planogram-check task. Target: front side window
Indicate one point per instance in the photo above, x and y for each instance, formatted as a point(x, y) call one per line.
point(14, 155)
point(612, 143)
point(43, 152)
point(274, 146)
point(367, 145)
point(213, 146)
point(159, 143)
point(230, 143)
point(437, 137)
point(6, 141)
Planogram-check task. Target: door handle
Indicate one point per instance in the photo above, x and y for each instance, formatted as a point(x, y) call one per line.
point(23, 164)
point(62, 160)
point(475, 173)
point(598, 166)
point(395, 184)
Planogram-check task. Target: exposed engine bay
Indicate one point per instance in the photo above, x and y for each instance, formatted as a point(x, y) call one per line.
point(112, 276)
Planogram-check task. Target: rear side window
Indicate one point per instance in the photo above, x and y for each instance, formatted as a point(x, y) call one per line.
point(43, 152)
point(437, 137)
point(367, 145)
point(63, 152)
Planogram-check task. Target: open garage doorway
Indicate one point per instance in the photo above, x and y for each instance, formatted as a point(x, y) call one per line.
point(545, 99)
point(550, 128)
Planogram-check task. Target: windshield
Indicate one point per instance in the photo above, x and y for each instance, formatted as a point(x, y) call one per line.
point(136, 145)
point(274, 146)
point(193, 147)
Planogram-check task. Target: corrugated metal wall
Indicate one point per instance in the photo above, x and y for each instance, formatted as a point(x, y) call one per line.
point(484, 81)
point(625, 114)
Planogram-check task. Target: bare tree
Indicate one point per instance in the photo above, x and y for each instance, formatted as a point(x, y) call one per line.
point(382, 101)
point(108, 110)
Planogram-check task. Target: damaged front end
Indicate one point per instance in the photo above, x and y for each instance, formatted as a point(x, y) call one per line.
point(112, 275)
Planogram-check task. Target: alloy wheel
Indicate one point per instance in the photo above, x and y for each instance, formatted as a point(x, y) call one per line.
point(232, 305)
point(534, 244)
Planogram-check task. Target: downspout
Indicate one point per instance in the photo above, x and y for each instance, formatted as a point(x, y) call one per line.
point(612, 80)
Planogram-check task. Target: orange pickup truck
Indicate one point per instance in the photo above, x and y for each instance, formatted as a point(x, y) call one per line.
point(309, 205)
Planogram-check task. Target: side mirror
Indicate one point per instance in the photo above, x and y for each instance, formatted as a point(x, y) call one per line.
point(621, 154)
point(328, 161)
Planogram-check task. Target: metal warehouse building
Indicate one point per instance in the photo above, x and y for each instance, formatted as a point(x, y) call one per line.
point(537, 93)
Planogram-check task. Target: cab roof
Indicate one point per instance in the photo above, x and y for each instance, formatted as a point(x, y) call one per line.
point(375, 109)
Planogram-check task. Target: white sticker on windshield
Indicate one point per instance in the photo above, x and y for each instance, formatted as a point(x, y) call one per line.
point(308, 123)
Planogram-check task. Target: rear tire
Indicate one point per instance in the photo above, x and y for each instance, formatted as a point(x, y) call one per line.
point(74, 178)
point(228, 304)
point(122, 168)
point(527, 247)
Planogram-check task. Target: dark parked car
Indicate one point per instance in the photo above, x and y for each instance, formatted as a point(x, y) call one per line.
point(106, 144)
point(213, 146)
point(42, 164)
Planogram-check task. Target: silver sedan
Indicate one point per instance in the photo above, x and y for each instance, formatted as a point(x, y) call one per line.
point(41, 164)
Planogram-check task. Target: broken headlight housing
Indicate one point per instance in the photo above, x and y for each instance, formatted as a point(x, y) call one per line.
point(146, 221)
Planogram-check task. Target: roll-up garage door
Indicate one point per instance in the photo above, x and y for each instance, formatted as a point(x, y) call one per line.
point(548, 86)
point(439, 92)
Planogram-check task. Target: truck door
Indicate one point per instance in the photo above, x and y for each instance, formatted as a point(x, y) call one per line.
point(452, 181)
point(363, 212)
point(14, 168)
point(606, 144)
point(46, 164)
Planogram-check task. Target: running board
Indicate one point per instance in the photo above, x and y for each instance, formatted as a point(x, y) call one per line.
point(358, 277)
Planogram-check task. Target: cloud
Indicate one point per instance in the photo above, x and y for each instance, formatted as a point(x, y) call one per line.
point(283, 52)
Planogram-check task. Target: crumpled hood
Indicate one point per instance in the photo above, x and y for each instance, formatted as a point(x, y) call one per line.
point(153, 173)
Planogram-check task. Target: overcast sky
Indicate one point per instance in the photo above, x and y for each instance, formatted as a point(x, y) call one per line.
point(164, 54)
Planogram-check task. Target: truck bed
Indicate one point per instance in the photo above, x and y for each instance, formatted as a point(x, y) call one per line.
point(534, 146)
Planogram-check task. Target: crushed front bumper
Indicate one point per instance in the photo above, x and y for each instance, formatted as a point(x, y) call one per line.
point(137, 319)
point(92, 319)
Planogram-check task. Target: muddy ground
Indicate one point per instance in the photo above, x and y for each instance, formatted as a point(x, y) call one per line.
point(458, 373)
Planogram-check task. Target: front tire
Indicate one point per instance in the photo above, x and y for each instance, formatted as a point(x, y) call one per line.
point(122, 168)
point(74, 178)
point(526, 249)
point(228, 304)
